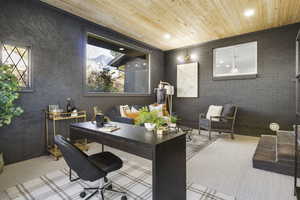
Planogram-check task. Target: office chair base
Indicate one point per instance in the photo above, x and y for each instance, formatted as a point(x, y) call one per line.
point(106, 187)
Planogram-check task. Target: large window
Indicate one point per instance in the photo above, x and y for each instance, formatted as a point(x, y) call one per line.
point(18, 57)
point(113, 68)
point(238, 60)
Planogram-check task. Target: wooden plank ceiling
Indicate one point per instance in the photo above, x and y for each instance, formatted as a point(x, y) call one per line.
point(188, 22)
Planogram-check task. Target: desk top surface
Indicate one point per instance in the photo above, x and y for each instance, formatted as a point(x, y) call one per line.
point(129, 132)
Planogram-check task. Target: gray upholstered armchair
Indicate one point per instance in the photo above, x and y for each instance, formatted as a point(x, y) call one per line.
point(225, 122)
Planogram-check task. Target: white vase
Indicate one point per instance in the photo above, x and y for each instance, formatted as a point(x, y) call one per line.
point(1, 162)
point(149, 126)
point(173, 125)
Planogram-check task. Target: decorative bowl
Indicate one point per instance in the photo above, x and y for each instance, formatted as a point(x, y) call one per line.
point(149, 126)
point(172, 125)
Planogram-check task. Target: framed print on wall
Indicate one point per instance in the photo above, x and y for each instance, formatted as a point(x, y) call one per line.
point(187, 80)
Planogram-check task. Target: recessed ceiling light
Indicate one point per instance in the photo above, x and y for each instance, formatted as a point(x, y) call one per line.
point(121, 49)
point(249, 12)
point(167, 36)
point(228, 66)
point(221, 61)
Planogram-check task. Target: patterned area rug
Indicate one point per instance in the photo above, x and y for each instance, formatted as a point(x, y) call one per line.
point(198, 143)
point(132, 178)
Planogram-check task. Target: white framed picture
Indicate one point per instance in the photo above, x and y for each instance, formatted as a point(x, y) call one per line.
point(187, 80)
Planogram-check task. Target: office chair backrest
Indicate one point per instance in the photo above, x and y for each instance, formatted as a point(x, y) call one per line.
point(78, 161)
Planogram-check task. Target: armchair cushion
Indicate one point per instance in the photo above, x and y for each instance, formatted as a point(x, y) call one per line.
point(113, 112)
point(214, 111)
point(204, 123)
point(115, 115)
point(228, 110)
point(123, 120)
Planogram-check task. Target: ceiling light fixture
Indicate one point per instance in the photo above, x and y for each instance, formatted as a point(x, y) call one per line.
point(121, 49)
point(249, 12)
point(167, 36)
point(180, 58)
point(188, 57)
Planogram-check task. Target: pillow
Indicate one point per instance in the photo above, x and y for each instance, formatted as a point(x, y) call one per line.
point(228, 110)
point(132, 115)
point(123, 110)
point(158, 108)
point(214, 110)
point(138, 107)
point(134, 110)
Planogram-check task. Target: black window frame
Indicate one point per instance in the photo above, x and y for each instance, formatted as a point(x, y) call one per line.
point(29, 85)
point(89, 93)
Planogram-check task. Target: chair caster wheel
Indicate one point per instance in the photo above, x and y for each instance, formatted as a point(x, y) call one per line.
point(109, 187)
point(105, 180)
point(123, 198)
point(82, 194)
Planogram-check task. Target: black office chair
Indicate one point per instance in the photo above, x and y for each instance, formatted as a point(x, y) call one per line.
point(90, 168)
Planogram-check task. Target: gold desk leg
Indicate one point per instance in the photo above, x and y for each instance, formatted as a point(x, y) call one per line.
point(47, 131)
point(85, 140)
point(55, 146)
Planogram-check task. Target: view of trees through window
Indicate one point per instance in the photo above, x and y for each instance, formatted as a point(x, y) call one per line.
point(115, 69)
point(102, 77)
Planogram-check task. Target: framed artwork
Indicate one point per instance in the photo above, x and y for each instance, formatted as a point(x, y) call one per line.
point(187, 80)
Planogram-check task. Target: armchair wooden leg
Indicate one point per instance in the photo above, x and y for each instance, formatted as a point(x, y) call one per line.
point(232, 136)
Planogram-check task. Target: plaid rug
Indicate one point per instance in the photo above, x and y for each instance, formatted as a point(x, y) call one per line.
point(132, 178)
point(198, 143)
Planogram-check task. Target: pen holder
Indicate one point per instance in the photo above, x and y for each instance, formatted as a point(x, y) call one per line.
point(100, 120)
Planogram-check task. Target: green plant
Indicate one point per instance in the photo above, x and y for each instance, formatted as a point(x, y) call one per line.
point(146, 116)
point(101, 81)
point(9, 88)
point(173, 119)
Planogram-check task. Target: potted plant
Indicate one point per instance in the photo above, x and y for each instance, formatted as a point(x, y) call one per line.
point(9, 88)
point(150, 119)
point(173, 121)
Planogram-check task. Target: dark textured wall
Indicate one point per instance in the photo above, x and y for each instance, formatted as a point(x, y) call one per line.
point(268, 98)
point(57, 41)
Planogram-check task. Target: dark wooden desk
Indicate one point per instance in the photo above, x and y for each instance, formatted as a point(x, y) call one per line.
point(168, 154)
